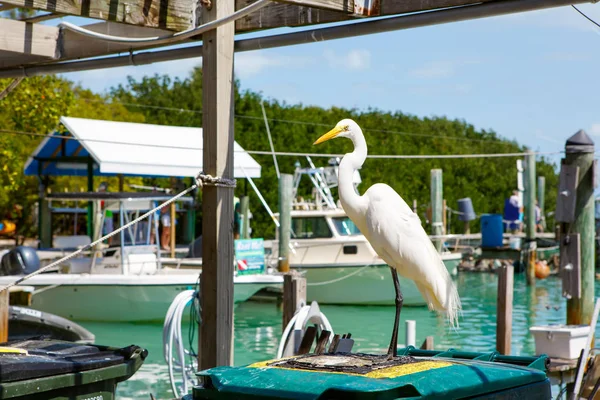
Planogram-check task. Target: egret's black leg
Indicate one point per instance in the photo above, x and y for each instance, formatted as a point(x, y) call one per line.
point(393, 350)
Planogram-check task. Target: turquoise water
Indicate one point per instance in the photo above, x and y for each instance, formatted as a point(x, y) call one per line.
point(258, 328)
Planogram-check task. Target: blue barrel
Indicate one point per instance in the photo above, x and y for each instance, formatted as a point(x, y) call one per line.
point(491, 230)
point(465, 207)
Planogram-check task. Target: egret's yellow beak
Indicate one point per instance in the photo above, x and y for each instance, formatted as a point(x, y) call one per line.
point(329, 135)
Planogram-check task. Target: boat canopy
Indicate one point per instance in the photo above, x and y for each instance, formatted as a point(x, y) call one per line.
point(114, 148)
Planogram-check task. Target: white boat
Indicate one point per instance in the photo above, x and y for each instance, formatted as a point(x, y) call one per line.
point(338, 262)
point(127, 281)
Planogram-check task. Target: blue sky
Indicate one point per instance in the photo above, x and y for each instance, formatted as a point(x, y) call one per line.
point(532, 77)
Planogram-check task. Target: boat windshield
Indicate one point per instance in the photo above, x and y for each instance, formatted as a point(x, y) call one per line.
point(345, 226)
point(310, 228)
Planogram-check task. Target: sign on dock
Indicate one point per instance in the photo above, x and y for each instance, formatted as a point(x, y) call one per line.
point(250, 256)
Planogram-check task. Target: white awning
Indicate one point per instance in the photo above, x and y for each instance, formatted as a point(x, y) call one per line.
point(129, 149)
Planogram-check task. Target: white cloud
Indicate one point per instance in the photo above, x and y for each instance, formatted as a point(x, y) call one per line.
point(357, 59)
point(436, 69)
point(254, 63)
point(595, 131)
point(441, 68)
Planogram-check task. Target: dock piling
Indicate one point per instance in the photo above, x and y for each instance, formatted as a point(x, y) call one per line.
point(541, 198)
point(285, 220)
point(436, 206)
point(580, 156)
point(294, 296)
point(504, 309)
point(530, 194)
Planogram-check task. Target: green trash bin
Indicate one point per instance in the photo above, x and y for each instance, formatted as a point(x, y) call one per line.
point(418, 374)
point(53, 370)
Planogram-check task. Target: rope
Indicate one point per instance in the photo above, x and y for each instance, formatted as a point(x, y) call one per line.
point(201, 180)
point(340, 278)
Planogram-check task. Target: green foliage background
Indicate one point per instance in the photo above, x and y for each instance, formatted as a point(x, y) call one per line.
point(37, 104)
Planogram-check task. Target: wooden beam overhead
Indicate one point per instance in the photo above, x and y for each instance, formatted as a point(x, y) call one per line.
point(400, 7)
point(24, 38)
point(174, 15)
point(43, 17)
point(277, 15)
point(75, 46)
point(346, 6)
point(6, 7)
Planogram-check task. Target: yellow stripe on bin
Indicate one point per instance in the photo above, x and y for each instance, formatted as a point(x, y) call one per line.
point(389, 372)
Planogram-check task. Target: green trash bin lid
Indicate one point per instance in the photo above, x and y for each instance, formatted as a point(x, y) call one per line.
point(410, 377)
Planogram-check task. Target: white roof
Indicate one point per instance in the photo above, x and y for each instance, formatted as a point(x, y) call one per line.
point(146, 149)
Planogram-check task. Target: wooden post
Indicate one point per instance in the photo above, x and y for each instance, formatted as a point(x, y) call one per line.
point(245, 206)
point(172, 228)
point(444, 218)
point(285, 220)
point(90, 205)
point(580, 153)
point(427, 343)
point(529, 201)
point(541, 198)
point(216, 283)
point(121, 182)
point(436, 206)
point(504, 309)
point(4, 302)
point(294, 296)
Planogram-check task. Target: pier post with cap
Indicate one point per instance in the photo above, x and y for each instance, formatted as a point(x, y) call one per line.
point(579, 158)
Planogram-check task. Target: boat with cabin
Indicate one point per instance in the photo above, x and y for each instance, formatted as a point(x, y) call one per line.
point(123, 281)
point(339, 264)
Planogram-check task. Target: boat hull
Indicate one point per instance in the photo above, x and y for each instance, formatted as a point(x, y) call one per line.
point(362, 285)
point(122, 298)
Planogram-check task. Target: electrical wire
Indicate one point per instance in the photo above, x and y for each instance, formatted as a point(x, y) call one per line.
point(155, 40)
point(588, 18)
point(290, 154)
point(288, 121)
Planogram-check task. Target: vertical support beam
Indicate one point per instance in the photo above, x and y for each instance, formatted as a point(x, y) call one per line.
point(216, 283)
point(4, 302)
point(444, 218)
point(530, 194)
point(90, 206)
point(172, 227)
point(245, 206)
point(121, 182)
point(294, 296)
point(541, 198)
point(285, 220)
point(436, 206)
point(504, 309)
point(580, 152)
point(45, 224)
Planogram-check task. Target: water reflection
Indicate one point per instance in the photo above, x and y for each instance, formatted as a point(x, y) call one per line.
point(258, 328)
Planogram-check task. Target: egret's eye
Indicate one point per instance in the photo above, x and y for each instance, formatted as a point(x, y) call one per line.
point(346, 128)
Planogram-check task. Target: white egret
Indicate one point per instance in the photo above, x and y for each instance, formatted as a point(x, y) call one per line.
point(395, 232)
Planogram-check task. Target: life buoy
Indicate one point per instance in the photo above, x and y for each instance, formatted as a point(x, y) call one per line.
point(7, 227)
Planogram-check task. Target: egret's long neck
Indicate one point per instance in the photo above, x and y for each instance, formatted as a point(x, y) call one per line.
point(352, 202)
